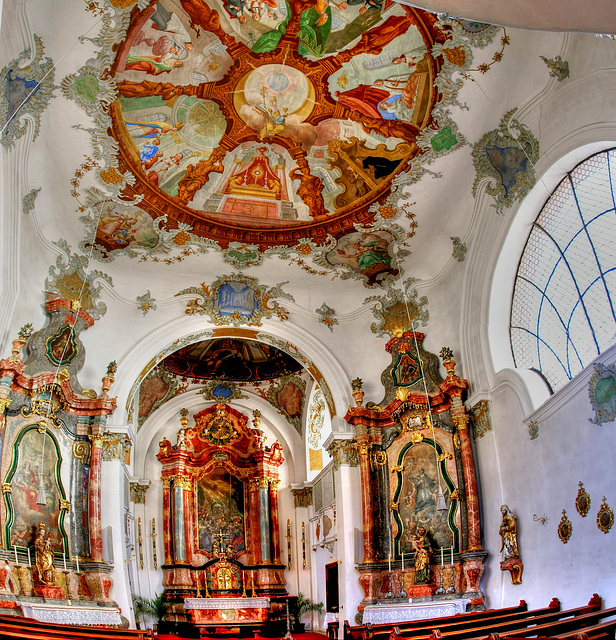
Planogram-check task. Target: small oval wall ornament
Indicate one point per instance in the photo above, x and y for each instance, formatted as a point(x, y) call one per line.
point(582, 501)
point(564, 528)
point(605, 517)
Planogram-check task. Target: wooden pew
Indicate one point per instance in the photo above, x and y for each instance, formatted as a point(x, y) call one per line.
point(31, 629)
point(357, 632)
point(485, 627)
point(461, 622)
point(566, 628)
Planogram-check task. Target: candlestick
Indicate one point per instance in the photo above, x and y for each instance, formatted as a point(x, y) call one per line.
point(64, 560)
point(451, 554)
point(29, 562)
point(442, 556)
point(15, 550)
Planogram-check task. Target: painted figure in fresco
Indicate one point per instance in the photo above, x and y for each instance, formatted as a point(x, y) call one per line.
point(153, 128)
point(152, 65)
point(275, 118)
point(508, 532)
point(423, 550)
point(235, 8)
point(44, 555)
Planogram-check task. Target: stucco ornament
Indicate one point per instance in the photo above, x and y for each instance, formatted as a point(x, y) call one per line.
point(602, 393)
point(558, 67)
point(26, 87)
point(504, 159)
point(69, 279)
point(236, 300)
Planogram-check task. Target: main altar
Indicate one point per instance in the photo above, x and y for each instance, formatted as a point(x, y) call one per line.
point(220, 521)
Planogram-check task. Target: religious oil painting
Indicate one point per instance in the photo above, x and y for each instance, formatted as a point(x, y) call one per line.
point(220, 512)
point(418, 498)
point(61, 347)
point(35, 477)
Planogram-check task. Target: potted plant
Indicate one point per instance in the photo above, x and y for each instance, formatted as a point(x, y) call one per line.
point(303, 605)
point(156, 608)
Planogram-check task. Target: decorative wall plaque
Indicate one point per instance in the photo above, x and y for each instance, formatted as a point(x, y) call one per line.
point(564, 528)
point(582, 501)
point(605, 517)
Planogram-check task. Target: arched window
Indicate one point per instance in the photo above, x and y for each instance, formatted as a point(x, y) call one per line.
point(563, 313)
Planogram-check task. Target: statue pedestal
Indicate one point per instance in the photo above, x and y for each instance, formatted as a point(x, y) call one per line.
point(50, 591)
point(420, 591)
point(515, 567)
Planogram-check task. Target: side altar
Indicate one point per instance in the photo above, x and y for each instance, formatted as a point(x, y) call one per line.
point(421, 533)
point(220, 521)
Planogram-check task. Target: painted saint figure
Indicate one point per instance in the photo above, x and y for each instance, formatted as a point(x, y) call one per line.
point(44, 555)
point(423, 549)
point(508, 532)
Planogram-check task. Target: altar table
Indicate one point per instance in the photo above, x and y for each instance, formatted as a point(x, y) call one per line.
point(74, 614)
point(406, 612)
point(227, 611)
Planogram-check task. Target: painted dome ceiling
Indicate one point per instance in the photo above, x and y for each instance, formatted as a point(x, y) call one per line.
point(267, 121)
point(230, 359)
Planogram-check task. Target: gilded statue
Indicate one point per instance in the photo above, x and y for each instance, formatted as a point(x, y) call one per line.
point(509, 533)
point(44, 555)
point(423, 550)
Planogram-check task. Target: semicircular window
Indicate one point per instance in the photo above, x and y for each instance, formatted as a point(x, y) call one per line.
point(563, 308)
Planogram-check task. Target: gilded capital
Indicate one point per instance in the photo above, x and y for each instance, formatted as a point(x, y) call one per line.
point(137, 492)
point(344, 452)
point(166, 483)
point(303, 497)
point(65, 505)
point(183, 482)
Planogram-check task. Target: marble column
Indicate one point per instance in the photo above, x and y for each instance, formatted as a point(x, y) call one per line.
point(181, 484)
point(273, 500)
point(472, 500)
point(363, 448)
point(264, 521)
point(94, 498)
point(255, 526)
point(167, 520)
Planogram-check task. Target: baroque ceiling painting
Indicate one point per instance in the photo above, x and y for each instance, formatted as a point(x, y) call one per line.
point(267, 128)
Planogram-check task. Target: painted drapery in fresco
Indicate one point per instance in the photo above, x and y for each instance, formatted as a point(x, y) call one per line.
point(220, 510)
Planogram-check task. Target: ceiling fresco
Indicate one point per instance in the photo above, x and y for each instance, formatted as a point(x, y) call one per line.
point(269, 118)
point(266, 127)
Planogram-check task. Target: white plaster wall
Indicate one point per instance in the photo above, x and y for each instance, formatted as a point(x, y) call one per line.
point(540, 477)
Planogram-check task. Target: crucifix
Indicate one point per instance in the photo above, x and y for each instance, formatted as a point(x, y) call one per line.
point(221, 539)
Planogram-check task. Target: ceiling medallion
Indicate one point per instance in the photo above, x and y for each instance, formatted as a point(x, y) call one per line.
point(274, 124)
point(605, 517)
point(564, 528)
point(582, 501)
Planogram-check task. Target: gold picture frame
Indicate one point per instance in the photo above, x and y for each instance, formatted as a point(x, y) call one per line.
point(582, 501)
point(565, 528)
point(605, 517)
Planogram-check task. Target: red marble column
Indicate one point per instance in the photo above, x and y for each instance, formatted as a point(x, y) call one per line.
point(255, 519)
point(366, 496)
point(94, 498)
point(472, 500)
point(189, 528)
point(167, 520)
point(273, 492)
